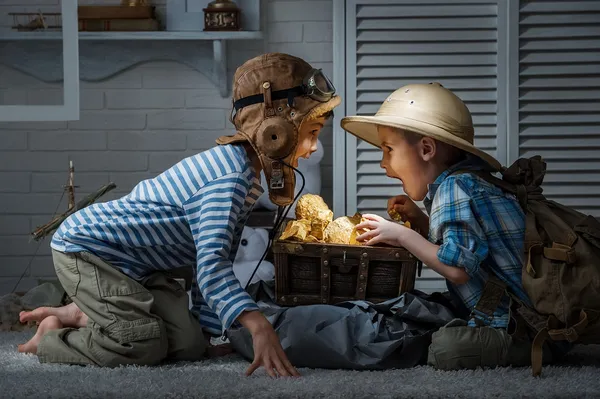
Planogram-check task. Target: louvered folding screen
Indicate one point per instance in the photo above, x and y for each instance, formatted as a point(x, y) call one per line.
point(559, 97)
point(528, 70)
point(393, 43)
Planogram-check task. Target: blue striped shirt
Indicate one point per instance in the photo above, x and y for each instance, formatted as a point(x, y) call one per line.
point(481, 229)
point(192, 214)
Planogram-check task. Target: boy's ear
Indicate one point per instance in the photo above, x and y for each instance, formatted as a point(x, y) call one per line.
point(427, 148)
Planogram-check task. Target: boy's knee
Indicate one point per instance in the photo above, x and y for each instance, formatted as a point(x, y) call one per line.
point(463, 347)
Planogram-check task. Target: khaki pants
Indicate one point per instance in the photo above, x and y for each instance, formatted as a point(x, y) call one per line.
point(130, 322)
point(457, 346)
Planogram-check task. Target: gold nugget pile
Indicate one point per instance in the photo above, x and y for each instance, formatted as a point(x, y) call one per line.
point(314, 223)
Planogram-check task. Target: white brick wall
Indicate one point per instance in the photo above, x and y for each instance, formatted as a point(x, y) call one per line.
point(132, 127)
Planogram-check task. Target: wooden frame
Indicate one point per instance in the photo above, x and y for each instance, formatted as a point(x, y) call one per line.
point(512, 79)
point(333, 273)
point(339, 81)
point(69, 110)
point(350, 100)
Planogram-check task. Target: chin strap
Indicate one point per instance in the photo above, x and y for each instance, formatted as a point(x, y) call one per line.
point(277, 181)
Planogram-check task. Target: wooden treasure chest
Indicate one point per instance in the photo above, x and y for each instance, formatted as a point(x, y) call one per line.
point(322, 273)
point(319, 261)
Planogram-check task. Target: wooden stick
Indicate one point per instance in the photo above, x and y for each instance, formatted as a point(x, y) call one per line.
point(55, 223)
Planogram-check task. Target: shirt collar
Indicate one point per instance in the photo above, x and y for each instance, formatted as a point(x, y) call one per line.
point(471, 162)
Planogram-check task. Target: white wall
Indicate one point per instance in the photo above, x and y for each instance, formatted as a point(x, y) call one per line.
point(133, 126)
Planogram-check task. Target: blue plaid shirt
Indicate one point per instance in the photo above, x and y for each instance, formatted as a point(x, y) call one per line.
point(479, 228)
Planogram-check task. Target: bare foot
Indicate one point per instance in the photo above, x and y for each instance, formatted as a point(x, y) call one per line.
point(49, 323)
point(69, 315)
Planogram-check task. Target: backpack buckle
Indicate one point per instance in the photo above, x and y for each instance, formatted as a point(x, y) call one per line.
point(560, 252)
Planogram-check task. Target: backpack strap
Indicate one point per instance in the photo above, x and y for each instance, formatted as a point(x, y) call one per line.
point(491, 297)
point(494, 288)
point(550, 331)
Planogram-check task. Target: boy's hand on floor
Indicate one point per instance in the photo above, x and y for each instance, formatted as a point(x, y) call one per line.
point(380, 230)
point(267, 348)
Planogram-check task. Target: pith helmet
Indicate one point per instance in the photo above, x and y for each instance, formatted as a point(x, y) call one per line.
point(427, 109)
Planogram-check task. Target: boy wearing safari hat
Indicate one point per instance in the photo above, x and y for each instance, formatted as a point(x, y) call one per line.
point(473, 228)
point(113, 259)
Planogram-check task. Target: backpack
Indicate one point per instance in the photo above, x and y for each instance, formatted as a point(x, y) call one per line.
point(561, 274)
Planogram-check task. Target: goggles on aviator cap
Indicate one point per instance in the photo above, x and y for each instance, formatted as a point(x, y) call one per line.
point(315, 85)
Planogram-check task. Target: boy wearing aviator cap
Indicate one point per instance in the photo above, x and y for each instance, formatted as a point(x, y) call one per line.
point(474, 230)
point(113, 258)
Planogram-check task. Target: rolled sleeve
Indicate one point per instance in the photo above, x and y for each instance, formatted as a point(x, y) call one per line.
point(454, 227)
point(452, 253)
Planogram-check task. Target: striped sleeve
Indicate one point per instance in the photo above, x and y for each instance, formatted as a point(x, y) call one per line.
point(212, 214)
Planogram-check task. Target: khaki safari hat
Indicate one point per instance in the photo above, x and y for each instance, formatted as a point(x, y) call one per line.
point(273, 95)
point(427, 109)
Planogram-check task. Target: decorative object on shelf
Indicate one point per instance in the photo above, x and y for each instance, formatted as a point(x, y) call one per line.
point(118, 25)
point(222, 15)
point(130, 16)
point(189, 15)
point(106, 53)
point(136, 16)
point(115, 12)
point(31, 21)
point(134, 3)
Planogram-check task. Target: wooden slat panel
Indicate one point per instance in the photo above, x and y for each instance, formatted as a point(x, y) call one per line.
point(560, 44)
point(564, 118)
point(546, 7)
point(404, 42)
point(557, 69)
point(450, 83)
point(427, 47)
point(427, 59)
point(417, 9)
point(551, 32)
point(570, 19)
point(554, 154)
point(559, 130)
point(559, 57)
point(564, 142)
point(574, 165)
point(428, 36)
point(579, 93)
point(409, 23)
point(559, 106)
point(559, 98)
point(574, 82)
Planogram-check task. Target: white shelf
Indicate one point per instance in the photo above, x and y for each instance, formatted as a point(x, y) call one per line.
point(112, 42)
point(159, 35)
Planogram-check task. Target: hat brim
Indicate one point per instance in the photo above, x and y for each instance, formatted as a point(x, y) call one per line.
point(365, 128)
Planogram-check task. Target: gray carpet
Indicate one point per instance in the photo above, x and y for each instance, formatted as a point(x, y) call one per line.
point(22, 376)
